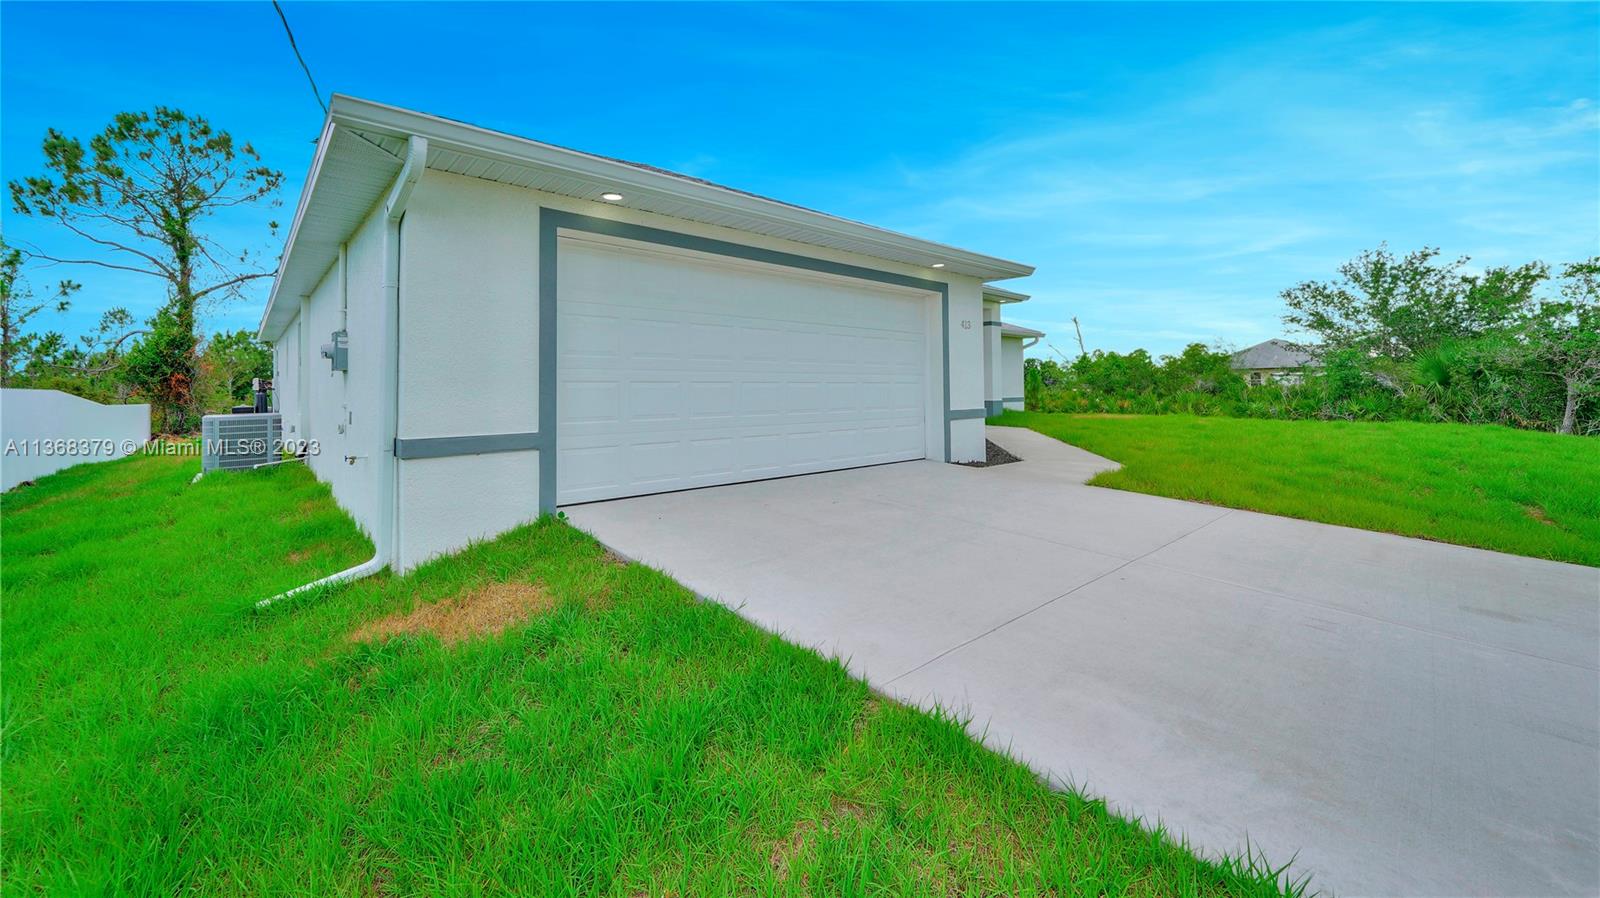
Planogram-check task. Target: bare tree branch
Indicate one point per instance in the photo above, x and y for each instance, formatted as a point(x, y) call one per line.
point(233, 282)
point(48, 258)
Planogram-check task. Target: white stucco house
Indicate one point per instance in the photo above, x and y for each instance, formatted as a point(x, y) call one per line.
point(475, 328)
point(1003, 351)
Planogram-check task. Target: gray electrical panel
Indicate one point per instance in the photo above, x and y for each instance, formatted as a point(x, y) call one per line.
point(338, 351)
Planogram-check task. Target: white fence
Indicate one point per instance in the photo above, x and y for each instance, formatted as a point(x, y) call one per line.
point(43, 431)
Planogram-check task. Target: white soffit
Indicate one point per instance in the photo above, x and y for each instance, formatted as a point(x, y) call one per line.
point(363, 144)
point(997, 294)
point(1007, 329)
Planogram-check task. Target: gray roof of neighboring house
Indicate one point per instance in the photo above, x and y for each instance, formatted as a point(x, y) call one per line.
point(1274, 354)
point(1008, 329)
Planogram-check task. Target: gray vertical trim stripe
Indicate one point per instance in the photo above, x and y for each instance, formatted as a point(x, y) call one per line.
point(547, 361)
point(553, 220)
point(944, 333)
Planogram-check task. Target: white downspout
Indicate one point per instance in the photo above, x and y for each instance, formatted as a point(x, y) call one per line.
point(344, 287)
point(385, 534)
point(302, 416)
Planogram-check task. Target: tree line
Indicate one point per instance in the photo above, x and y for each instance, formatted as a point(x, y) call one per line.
point(141, 197)
point(110, 364)
point(1410, 337)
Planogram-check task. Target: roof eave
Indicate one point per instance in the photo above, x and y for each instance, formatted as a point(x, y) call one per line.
point(462, 137)
point(1017, 330)
point(357, 115)
point(1000, 294)
point(323, 142)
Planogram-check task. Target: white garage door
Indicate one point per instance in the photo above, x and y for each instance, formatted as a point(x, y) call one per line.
point(679, 370)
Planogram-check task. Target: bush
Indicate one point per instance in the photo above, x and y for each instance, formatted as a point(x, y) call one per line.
point(1473, 382)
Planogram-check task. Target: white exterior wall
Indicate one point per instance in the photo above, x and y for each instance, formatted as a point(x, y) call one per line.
point(992, 367)
point(966, 366)
point(1283, 376)
point(469, 350)
point(1011, 380)
point(338, 410)
point(26, 416)
point(287, 375)
point(469, 341)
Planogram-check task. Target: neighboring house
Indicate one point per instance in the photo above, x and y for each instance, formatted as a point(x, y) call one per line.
point(1002, 352)
point(1014, 338)
point(1273, 361)
point(522, 326)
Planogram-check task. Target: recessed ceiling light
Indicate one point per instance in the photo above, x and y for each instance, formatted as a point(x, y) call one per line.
point(611, 197)
point(938, 265)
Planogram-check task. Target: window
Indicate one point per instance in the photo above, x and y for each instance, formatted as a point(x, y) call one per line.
point(1255, 379)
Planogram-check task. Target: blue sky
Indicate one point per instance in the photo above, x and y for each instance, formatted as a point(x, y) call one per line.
point(1168, 168)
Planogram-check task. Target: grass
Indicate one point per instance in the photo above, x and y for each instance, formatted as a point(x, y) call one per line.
point(1491, 487)
point(160, 735)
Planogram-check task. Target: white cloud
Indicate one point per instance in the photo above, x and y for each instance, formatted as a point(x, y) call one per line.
point(1230, 177)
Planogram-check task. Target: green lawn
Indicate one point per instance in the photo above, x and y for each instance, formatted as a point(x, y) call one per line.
point(160, 736)
point(1477, 485)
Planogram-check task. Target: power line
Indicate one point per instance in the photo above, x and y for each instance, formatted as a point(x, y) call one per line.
point(303, 67)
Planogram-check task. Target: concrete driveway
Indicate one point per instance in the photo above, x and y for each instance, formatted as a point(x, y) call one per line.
point(1402, 717)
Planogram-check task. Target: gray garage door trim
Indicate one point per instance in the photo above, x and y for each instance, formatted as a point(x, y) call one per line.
point(552, 221)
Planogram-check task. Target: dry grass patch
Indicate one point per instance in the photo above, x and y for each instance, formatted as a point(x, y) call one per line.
point(784, 854)
point(869, 712)
point(486, 610)
point(1537, 513)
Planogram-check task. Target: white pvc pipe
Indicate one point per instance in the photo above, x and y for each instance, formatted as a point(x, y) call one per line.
point(282, 461)
point(384, 534)
point(364, 569)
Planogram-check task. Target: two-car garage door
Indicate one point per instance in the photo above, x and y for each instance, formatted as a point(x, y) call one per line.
point(678, 370)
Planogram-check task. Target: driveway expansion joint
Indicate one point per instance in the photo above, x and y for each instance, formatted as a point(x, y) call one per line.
point(1048, 603)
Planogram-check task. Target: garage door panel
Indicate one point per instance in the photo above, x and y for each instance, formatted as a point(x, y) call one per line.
point(712, 401)
point(713, 457)
point(904, 355)
point(591, 401)
point(905, 397)
point(708, 342)
point(652, 463)
point(761, 455)
point(765, 347)
point(803, 398)
point(842, 396)
point(653, 340)
point(589, 468)
point(589, 335)
point(676, 373)
point(759, 399)
point(808, 347)
point(655, 401)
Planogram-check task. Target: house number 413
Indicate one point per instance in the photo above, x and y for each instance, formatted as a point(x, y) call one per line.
point(966, 324)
